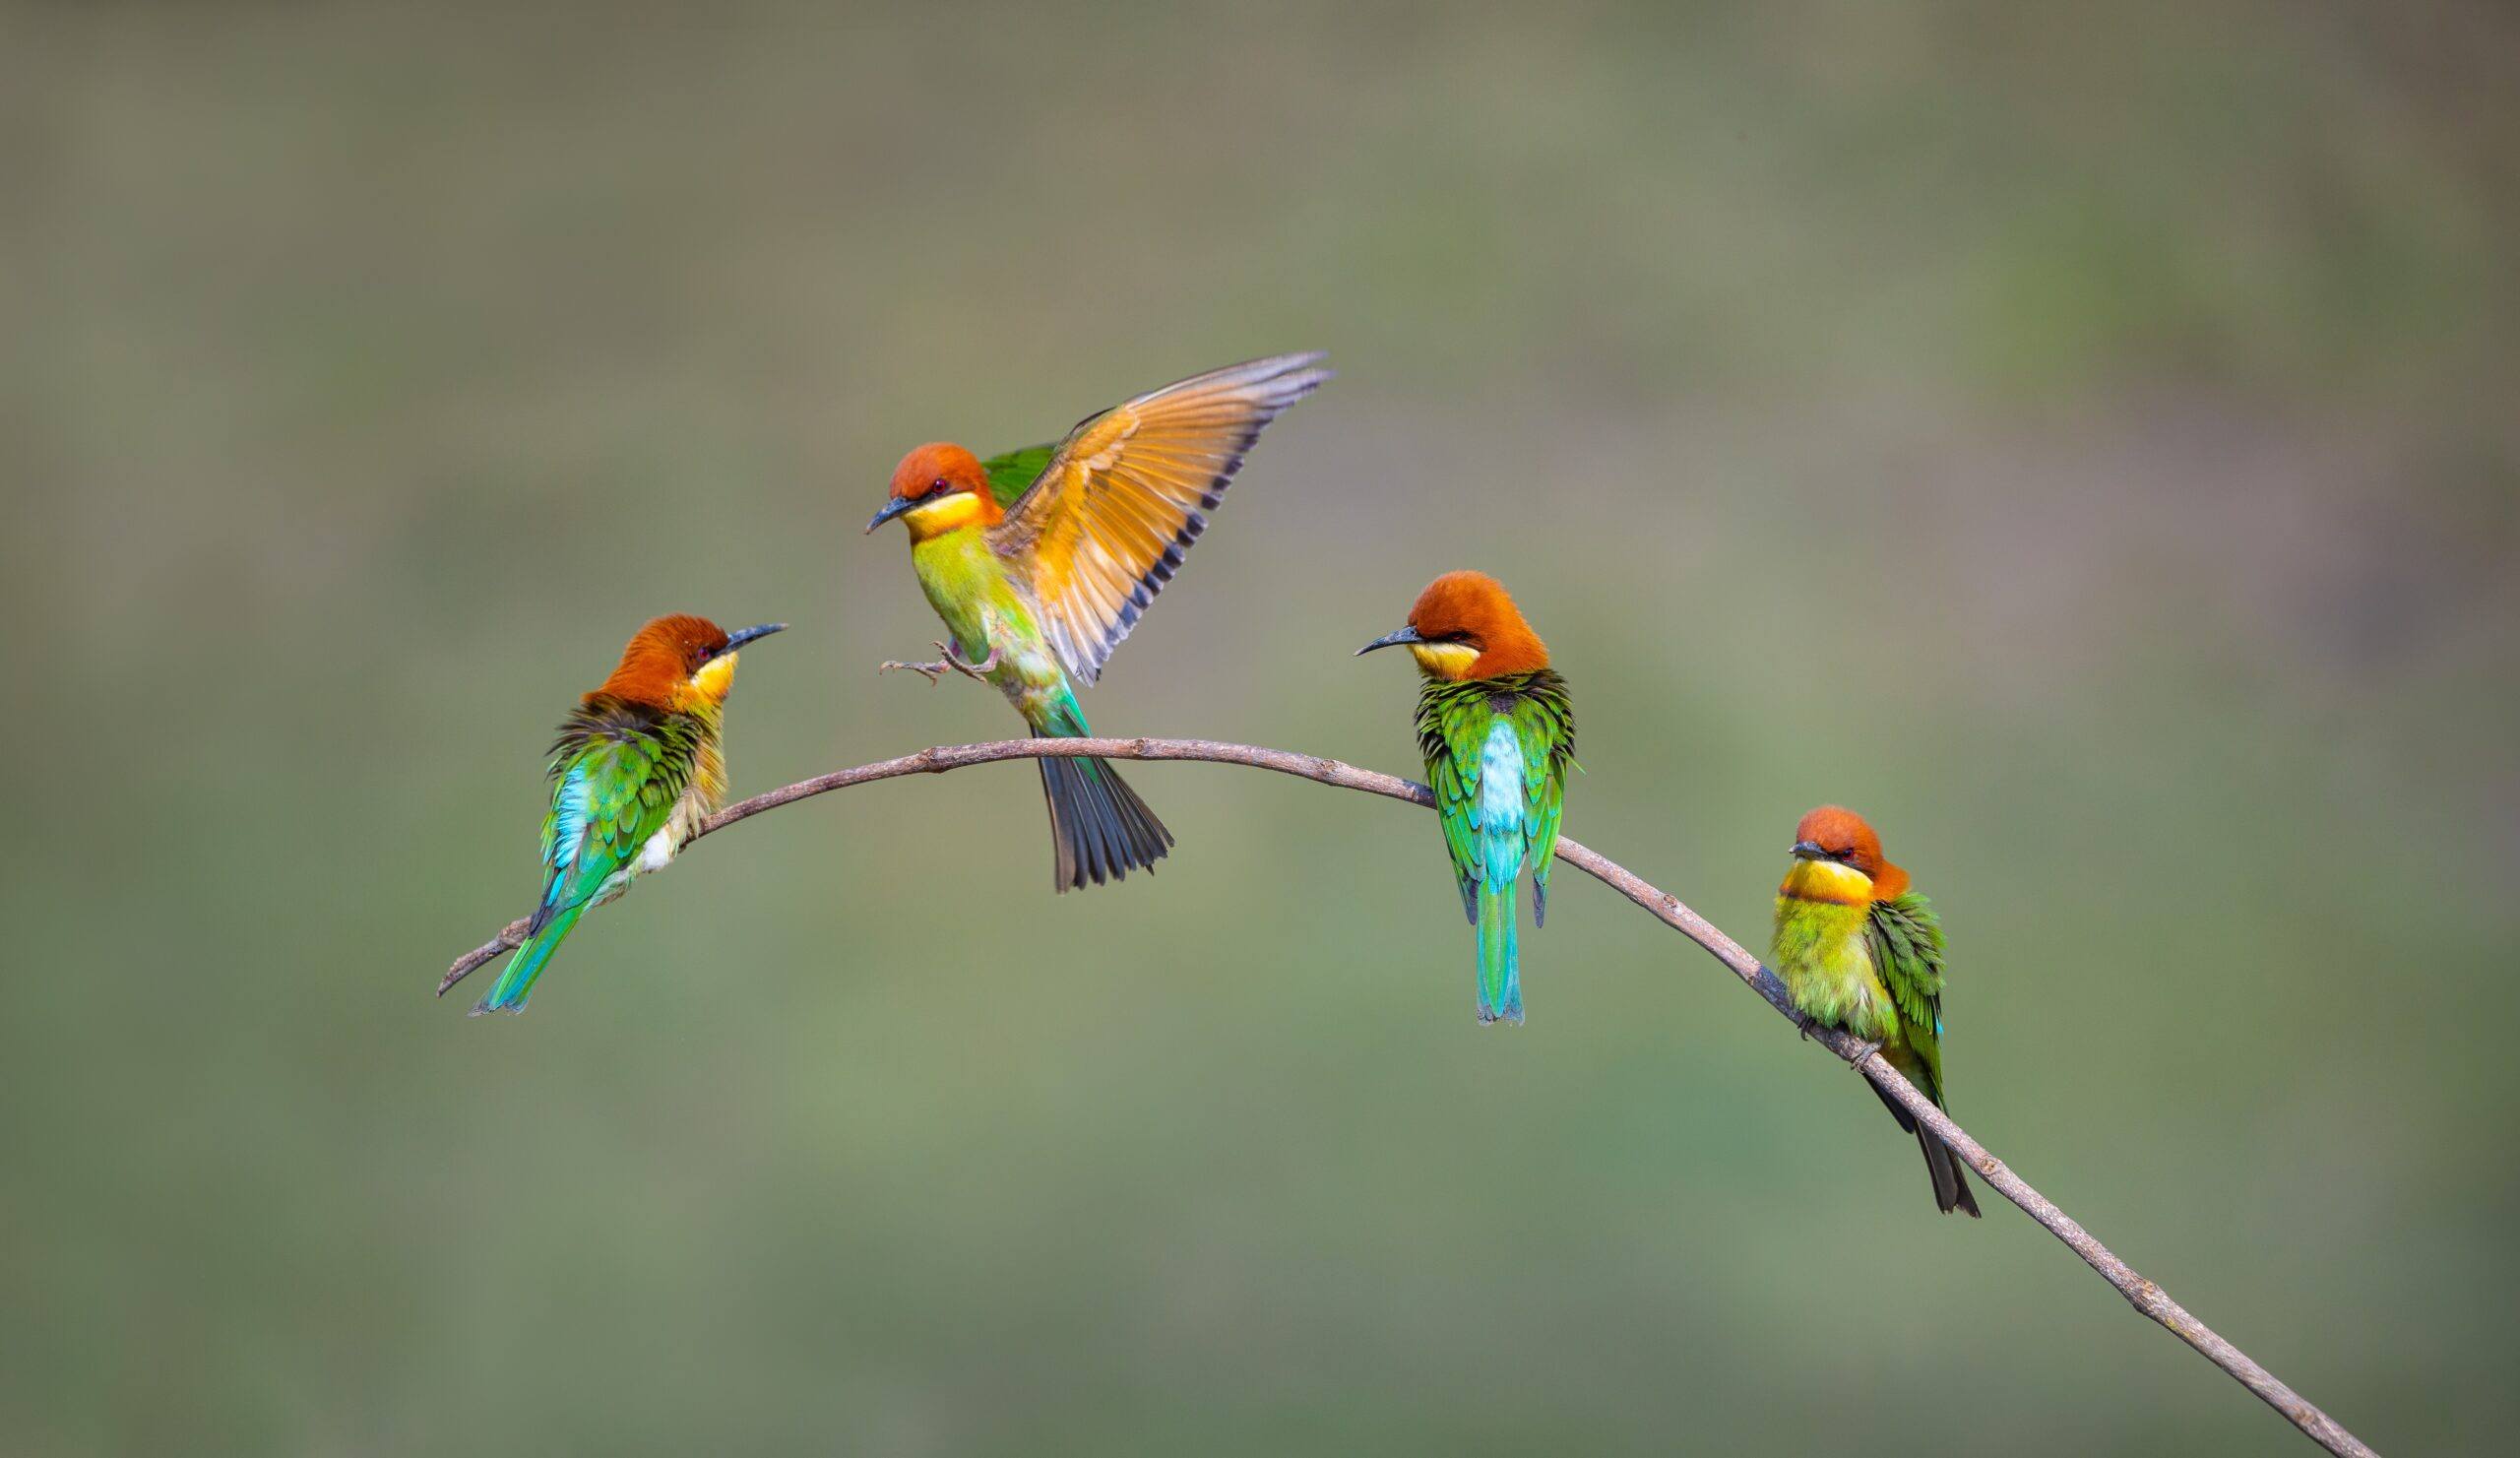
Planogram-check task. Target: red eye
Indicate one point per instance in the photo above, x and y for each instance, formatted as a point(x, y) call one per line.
point(936, 485)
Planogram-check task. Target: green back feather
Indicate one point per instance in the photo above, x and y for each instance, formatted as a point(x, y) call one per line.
point(1453, 724)
point(1013, 474)
point(1905, 938)
point(616, 770)
point(1545, 721)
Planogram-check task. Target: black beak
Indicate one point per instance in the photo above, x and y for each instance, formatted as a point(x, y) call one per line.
point(892, 509)
point(1391, 640)
point(743, 636)
point(1810, 851)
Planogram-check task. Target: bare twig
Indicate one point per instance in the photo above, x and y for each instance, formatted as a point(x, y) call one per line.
point(2142, 1293)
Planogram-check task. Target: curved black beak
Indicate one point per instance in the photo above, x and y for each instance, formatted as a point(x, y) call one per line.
point(1397, 639)
point(743, 636)
point(892, 509)
point(1810, 851)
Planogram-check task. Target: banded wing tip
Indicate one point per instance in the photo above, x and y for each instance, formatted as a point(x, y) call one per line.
point(1275, 382)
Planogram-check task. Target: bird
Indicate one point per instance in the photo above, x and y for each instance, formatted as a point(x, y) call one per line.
point(1498, 734)
point(1040, 560)
point(635, 771)
point(1860, 952)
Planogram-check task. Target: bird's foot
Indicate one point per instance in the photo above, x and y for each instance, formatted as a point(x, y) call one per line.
point(1806, 1022)
point(952, 662)
point(1864, 1050)
point(935, 673)
point(976, 672)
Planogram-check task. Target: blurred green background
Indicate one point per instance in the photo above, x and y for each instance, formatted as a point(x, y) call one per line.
point(2084, 440)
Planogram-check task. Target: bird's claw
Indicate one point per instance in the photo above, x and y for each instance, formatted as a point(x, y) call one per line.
point(1806, 1022)
point(952, 662)
point(976, 672)
point(935, 673)
point(1862, 1050)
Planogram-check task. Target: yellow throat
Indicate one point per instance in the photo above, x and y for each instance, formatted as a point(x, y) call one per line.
point(1444, 660)
point(1826, 881)
point(938, 517)
point(711, 683)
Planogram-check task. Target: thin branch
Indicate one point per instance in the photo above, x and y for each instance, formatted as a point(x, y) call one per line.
point(2143, 1295)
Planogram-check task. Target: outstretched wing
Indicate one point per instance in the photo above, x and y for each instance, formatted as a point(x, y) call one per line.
point(616, 776)
point(1905, 938)
point(1103, 526)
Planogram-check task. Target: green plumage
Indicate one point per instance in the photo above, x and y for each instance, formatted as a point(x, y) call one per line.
point(1903, 937)
point(1496, 753)
point(1876, 972)
point(618, 773)
point(1013, 474)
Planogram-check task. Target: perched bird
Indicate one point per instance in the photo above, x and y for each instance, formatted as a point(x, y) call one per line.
point(1040, 560)
point(1498, 732)
point(1863, 954)
point(634, 772)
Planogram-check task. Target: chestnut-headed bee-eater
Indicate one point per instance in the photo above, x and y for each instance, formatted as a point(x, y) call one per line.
point(1498, 732)
point(634, 772)
point(1863, 954)
point(1040, 560)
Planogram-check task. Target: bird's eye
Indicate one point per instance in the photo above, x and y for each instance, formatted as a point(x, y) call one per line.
point(936, 485)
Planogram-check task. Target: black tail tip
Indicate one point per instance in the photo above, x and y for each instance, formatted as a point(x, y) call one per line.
point(1950, 1181)
point(1100, 830)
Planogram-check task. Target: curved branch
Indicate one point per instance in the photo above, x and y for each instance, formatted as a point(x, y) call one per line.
point(2142, 1293)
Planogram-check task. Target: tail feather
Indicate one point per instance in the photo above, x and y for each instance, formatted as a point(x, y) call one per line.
point(516, 979)
point(1099, 827)
point(1500, 980)
point(1942, 1167)
point(1950, 1186)
point(1898, 1111)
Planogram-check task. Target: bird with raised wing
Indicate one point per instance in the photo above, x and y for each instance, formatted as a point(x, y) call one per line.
point(1862, 952)
point(1040, 560)
point(1498, 732)
point(635, 771)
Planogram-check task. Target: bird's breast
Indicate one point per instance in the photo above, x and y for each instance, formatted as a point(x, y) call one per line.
point(1820, 952)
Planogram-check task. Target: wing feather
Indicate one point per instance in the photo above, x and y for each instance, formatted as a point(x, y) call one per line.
point(1907, 944)
point(1107, 522)
point(616, 771)
point(1546, 722)
point(1450, 731)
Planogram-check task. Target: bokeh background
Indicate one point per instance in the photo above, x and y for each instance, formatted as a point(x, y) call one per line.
point(2082, 438)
